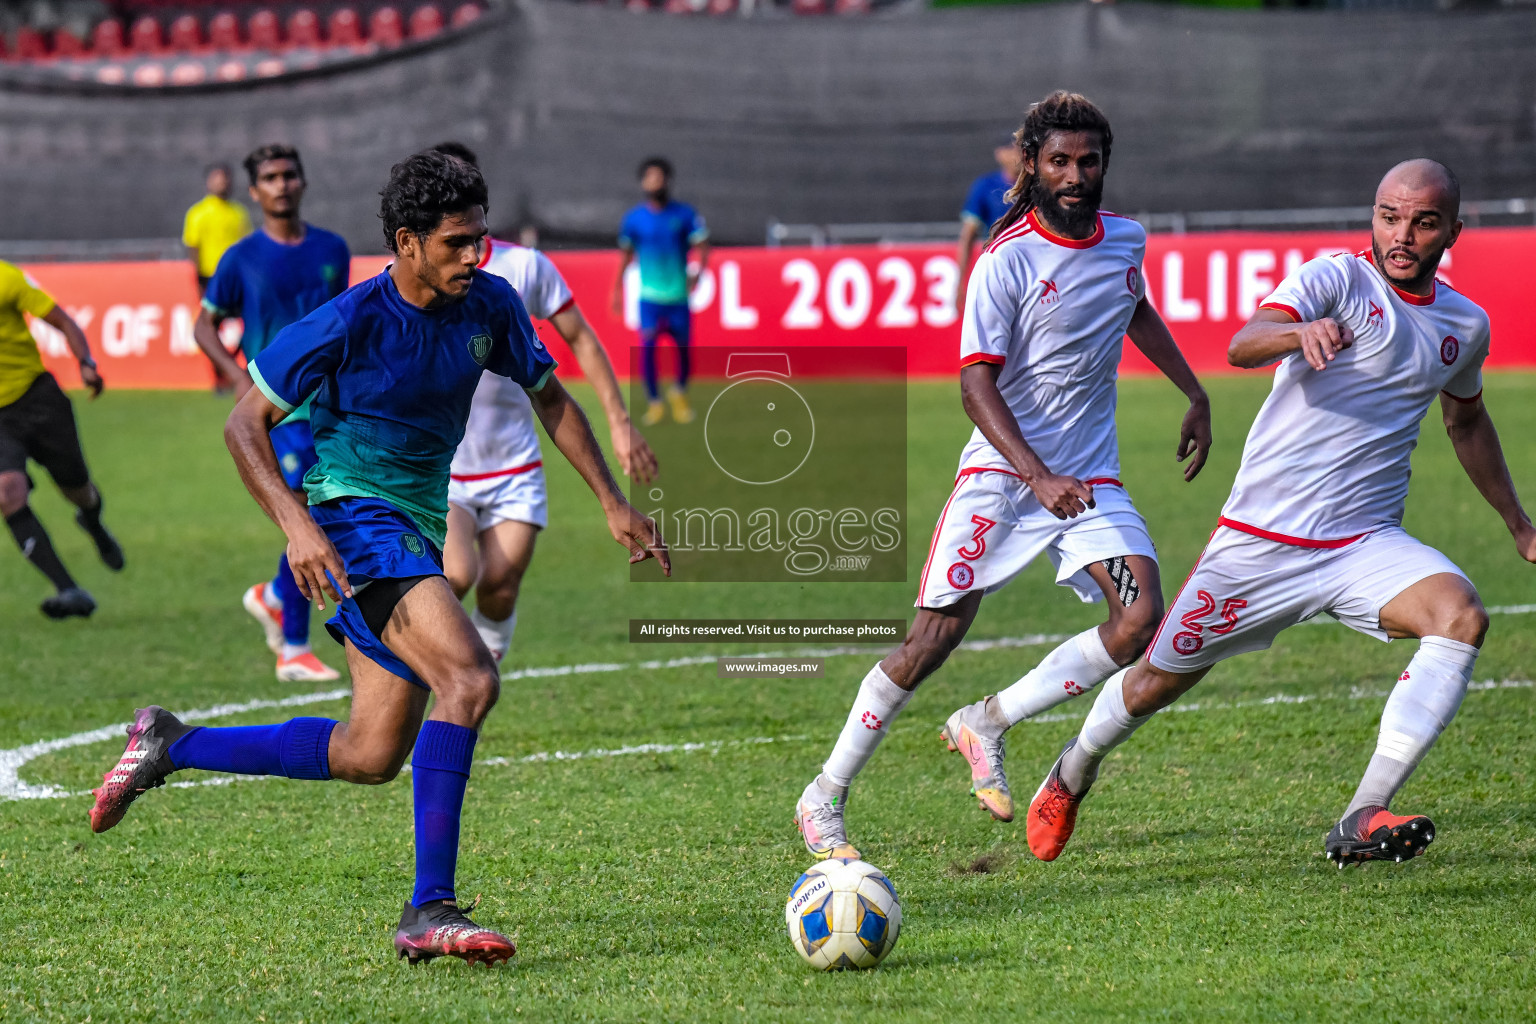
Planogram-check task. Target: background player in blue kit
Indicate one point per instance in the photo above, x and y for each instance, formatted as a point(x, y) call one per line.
point(392, 366)
point(659, 233)
point(270, 279)
point(985, 204)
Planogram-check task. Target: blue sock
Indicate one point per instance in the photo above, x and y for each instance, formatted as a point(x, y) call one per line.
point(682, 364)
point(648, 368)
point(295, 607)
point(297, 749)
point(439, 772)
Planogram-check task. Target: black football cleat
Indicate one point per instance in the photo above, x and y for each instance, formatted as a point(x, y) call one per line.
point(107, 547)
point(1373, 833)
point(71, 601)
point(144, 765)
point(441, 929)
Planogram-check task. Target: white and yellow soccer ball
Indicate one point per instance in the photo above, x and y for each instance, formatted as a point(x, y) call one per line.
point(843, 914)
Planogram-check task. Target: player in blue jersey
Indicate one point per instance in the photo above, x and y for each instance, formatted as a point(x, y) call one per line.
point(270, 279)
point(390, 368)
point(659, 233)
point(985, 204)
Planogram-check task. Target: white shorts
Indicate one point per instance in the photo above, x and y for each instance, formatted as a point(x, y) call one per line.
point(1244, 590)
point(992, 528)
point(519, 497)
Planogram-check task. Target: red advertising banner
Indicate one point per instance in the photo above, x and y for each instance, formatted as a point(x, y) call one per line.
point(139, 316)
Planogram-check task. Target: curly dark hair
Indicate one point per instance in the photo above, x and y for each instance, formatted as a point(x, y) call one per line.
point(1061, 111)
point(423, 189)
point(272, 151)
point(660, 162)
point(459, 150)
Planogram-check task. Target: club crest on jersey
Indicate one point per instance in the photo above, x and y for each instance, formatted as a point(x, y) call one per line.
point(1450, 348)
point(480, 348)
point(1377, 317)
point(1188, 643)
point(961, 576)
point(1132, 280)
point(1051, 295)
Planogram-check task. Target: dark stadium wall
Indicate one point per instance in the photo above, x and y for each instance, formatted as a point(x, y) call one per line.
point(813, 120)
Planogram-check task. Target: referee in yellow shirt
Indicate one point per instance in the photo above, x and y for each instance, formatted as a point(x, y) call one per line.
point(212, 225)
point(38, 422)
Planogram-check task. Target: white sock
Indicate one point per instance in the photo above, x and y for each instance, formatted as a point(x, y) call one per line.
point(496, 634)
point(1075, 667)
point(1109, 724)
point(291, 651)
point(1422, 704)
point(877, 705)
point(269, 597)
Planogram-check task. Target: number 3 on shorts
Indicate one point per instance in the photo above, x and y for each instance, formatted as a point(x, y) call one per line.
point(978, 545)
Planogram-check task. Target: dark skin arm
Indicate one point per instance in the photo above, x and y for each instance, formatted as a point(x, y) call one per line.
point(74, 337)
point(1066, 497)
point(205, 331)
point(569, 429)
point(1477, 447)
point(310, 553)
point(1148, 333)
point(1271, 334)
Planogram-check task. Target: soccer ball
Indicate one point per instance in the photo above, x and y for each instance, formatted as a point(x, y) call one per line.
point(843, 914)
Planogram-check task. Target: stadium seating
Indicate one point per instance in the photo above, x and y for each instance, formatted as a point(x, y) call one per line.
point(107, 39)
point(30, 44)
point(145, 39)
point(385, 27)
point(464, 14)
point(224, 32)
point(186, 34)
point(68, 45)
point(304, 29)
point(426, 22)
point(263, 30)
point(345, 28)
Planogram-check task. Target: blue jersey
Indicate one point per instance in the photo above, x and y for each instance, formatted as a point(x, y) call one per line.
point(391, 386)
point(660, 240)
point(985, 202)
point(270, 285)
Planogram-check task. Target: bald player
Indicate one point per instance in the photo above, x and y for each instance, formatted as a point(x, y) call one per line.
point(1363, 343)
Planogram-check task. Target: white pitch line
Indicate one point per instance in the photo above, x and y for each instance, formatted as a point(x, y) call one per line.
point(13, 787)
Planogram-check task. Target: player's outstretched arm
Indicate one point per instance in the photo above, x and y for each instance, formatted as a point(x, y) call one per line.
point(205, 331)
point(616, 298)
point(1477, 447)
point(310, 554)
point(1272, 334)
point(569, 429)
point(74, 337)
point(1065, 496)
point(1150, 334)
point(635, 456)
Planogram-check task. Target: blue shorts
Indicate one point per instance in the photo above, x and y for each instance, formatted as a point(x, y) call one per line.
point(674, 319)
point(294, 446)
point(376, 541)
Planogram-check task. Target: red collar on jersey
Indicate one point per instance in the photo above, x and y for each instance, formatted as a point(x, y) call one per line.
point(1408, 297)
point(1070, 243)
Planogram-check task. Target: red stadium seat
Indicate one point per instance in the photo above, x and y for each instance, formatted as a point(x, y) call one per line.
point(345, 28)
point(30, 44)
point(851, 7)
point(385, 27)
point(145, 37)
point(679, 7)
point(186, 34)
point(263, 31)
point(67, 44)
point(304, 29)
point(426, 22)
point(464, 14)
point(808, 6)
point(107, 39)
point(224, 31)
point(720, 7)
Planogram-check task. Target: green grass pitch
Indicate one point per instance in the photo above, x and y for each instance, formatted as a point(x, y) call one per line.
point(650, 886)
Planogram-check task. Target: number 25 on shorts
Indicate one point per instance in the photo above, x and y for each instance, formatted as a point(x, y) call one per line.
point(1192, 637)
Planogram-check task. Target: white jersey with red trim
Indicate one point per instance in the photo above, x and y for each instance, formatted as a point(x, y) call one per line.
point(1052, 312)
point(1327, 459)
point(501, 436)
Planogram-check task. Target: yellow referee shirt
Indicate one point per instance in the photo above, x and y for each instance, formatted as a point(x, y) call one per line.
point(213, 225)
point(20, 362)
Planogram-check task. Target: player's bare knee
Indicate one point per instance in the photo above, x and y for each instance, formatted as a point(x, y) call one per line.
point(13, 493)
point(470, 693)
point(372, 765)
point(1466, 621)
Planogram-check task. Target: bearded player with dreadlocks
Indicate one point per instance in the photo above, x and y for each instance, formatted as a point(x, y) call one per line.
point(1056, 289)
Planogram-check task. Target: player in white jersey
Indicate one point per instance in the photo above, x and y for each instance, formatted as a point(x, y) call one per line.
point(496, 494)
point(1050, 299)
point(1314, 524)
